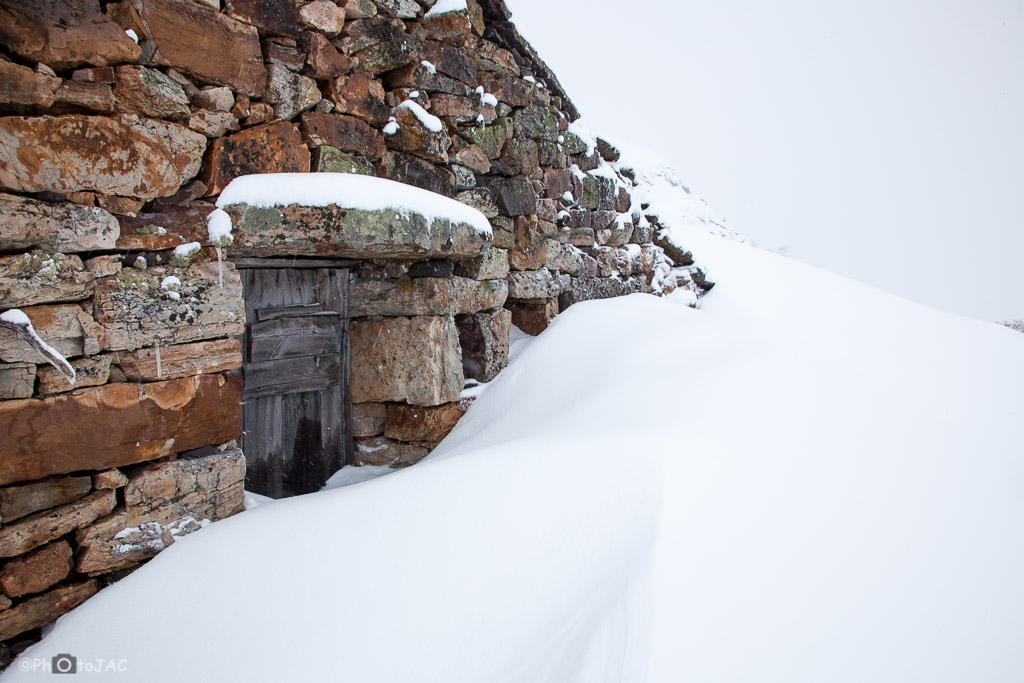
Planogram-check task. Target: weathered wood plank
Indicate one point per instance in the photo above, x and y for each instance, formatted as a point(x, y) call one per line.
point(286, 311)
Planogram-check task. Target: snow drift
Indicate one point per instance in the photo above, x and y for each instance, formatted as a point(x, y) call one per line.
point(805, 480)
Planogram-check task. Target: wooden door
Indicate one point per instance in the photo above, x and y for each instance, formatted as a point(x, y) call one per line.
point(295, 404)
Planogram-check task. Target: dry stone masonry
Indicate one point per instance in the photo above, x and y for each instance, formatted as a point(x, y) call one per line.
point(120, 124)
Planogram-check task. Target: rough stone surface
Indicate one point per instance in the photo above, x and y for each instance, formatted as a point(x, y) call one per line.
point(127, 156)
point(214, 98)
point(587, 288)
point(415, 423)
point(326, 231)
point(212, 124)
point(380, 450)
point(492, 265)
point(207, 44)
point(65, 34)
point(35, 278)
point(143, 422)
point(322, 59)
point(43, 527)
point(378, 44)
point(359, 94)
point(148, 92)
point(163, 501)
point(414, 137)
point(415, 360)
point(480, 199)
point(43, 609)
point(346, 133)
point(327, 159)
point(19, 501)
point(180, 360)
point(473, 158)
point(36, 571)
point(424, 296)
point(135, 312)
point(96, 97)
point(531, 245)
point(403, 9)
point(564, 258)
point(513, 196)
point(411, 170)
point(270, 16)
point(65, 327)
point(109, 479)
point(533, 317)
point(89, 372)
point(290, 93)
point(323, 15)
point(367, 419)
point(484, 340)
point(536, 284)
point(165, 227)
point(269, 148)
point(490, 139)
point(20, 85)
point(28, 223)
point(17, 380)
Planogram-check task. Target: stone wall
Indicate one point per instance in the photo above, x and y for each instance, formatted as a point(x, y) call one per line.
point(121, 122)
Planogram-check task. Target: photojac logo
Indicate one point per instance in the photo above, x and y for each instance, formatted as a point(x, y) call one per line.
point(64, 664)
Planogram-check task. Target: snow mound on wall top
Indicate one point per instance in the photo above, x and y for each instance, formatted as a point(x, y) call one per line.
point(348, 191)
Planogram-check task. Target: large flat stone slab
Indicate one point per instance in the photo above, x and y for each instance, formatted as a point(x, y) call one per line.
point(116, 424)
point(67, 228)
point(334, 231)
point(125, 156)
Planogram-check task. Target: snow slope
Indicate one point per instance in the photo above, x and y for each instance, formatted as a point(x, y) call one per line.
point(804, 480)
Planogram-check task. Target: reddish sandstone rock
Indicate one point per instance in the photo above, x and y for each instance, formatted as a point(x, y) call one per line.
point(64, 34)
point(148, 92)
point(165, 226)
point(533, 318)
point(359, 94)
point(414, 136)
point(345, 133)
point(269, 148)
point(380, 450)
point(378, 44)
point(322, 59)
point(141, 422)
point(19, 501)
point(125, 156)
point(43, 609)
point(36, 571)
point(20, 85)
point(416, 423)
point(207, 44)
point(273, 16)
point(109, 479)
point(89, 372)
point(17, 380)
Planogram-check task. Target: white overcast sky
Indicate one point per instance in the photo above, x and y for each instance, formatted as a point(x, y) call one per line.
point(880, 140)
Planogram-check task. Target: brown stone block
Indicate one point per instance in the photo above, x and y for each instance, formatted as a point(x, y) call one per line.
point(207, 44)
point(18, 501)
point(270, 148)
point(20, 85)
point(38, 278)
point(17, 380)
point(65, 34)
point(367, 419)
point(533, 318)
point(359, 94)
point(43, 527)
point(36, 571)
point(163, 501)
point(416, 423)
point(414, 360)
point(378, 44)
point(149, 92)
point(165, 227)
point(346, 133)
point(117, 424)
point(484, 340)
point(181, 360)
point(125, 156)
point(379, 450)
point(96, 97)
point(322, 59)
point(274, 16)
point(65, 327)
point(43, 609)
point(65, 228)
